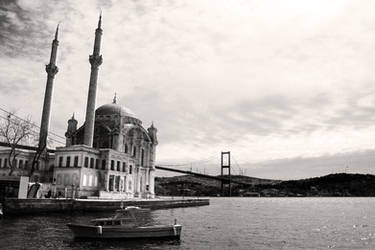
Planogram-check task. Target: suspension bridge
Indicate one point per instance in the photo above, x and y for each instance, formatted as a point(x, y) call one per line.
point(225, 178)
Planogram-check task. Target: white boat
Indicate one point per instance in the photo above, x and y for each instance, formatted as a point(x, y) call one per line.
point(124, 226)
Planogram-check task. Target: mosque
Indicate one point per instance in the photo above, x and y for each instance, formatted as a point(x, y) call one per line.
point(110, 156)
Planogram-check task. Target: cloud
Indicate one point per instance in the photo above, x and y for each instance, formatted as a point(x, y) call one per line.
point(305, 167)
point(263, 79)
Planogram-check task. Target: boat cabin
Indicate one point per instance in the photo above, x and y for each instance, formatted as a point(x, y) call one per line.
point(114, 222)
point(123, 217)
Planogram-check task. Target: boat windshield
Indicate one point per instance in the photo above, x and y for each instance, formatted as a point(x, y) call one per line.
point(125, 216)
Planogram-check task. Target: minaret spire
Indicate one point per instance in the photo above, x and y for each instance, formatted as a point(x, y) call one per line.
point(95, 60)
point(51, 70)
point(100, 21)
point(57, 31)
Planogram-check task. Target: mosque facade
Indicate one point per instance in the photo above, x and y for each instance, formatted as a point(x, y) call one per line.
point(111, 155)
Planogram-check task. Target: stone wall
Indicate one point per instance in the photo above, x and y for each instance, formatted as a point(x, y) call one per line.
point(37, 206)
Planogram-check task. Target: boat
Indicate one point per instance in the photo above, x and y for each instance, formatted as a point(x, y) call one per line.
point(124, 225)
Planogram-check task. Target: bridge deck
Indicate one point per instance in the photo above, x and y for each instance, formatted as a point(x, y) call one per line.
point(222, 179)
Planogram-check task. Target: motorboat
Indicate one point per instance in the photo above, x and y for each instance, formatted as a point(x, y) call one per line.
point(124, 225)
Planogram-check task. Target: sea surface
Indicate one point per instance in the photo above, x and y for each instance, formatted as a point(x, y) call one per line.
point(227, 223)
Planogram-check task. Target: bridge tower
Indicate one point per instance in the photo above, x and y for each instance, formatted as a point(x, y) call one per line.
point(225, 165)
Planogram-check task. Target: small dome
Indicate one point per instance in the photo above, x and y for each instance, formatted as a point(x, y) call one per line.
point(114, 109)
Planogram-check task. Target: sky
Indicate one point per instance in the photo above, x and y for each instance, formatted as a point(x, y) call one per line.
point(287, 86)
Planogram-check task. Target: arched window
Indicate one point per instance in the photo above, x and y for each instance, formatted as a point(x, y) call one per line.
point(142, 157)
point(67, 162)
point(126, 148)
point(130, 169)
point(75, 161)
point(60, 161)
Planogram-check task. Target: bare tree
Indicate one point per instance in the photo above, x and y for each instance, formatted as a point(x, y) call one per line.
point(40, 152)
point(13, 131)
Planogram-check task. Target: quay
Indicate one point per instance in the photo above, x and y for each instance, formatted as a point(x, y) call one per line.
point(15, 206)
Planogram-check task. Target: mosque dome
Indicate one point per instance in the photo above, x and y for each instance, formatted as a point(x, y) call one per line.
point(114, 109)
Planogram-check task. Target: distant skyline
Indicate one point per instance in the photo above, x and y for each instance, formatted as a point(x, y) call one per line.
point(287, 86)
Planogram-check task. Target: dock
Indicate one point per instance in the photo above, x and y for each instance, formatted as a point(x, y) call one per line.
point(15, 206)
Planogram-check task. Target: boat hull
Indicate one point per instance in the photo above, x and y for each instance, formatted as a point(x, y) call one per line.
point(118, 232)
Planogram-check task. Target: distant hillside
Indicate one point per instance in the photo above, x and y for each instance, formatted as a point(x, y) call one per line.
point(194, 186)
point(329, 185)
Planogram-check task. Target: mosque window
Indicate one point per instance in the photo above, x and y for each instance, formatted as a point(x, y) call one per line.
point(123, 167)
point(59, 179)
point(118, 165)
point(60, 161)
point(134, 151)
point(86, 162)
point(20, 164)
point(91, 162)
point(97, 164)
point(130, 169)
point(112, 165)
point(111, 182)
point(75, 161)
point(103, 164)
point(84, 181)
point(5, 163)
point(142, 156)
point(68, 161)
point(126, 148)
point(90, 180)
point(124, 184)
point(26, 163)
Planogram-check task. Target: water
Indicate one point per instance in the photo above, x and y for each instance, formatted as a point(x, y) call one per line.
point(228, 223)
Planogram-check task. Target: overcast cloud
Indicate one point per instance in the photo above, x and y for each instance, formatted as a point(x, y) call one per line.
point(267, 80)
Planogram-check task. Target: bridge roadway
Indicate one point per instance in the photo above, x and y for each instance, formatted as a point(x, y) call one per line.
point(7, 145)
point(202, 175)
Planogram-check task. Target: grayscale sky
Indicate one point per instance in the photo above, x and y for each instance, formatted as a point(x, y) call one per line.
point(287, 86)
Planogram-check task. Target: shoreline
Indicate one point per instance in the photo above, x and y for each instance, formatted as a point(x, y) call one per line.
point(14, 206)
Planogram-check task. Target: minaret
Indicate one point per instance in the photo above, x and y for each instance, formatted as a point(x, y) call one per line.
point(51, 70)
point(95, 61)
point(152, 132)
point(114, 99)
point(72, 128)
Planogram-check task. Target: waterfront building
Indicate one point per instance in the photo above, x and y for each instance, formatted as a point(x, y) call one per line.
point(110, 156)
